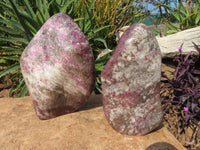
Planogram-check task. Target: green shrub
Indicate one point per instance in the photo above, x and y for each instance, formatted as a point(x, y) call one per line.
point(116, 13)
point(187, 16)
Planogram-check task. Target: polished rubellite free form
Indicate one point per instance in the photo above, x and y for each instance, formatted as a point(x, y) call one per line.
point(130, 83)
point(58, 67)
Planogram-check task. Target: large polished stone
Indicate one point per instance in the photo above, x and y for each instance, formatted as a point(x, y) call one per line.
point(58, 67)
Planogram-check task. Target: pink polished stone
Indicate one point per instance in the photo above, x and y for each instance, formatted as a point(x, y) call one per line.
point(58, 67)
point(130, 83)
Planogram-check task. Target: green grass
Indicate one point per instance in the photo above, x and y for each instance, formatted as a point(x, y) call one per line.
point(157, 32)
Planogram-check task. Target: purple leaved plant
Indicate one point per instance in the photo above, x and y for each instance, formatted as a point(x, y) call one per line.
point(183, 90)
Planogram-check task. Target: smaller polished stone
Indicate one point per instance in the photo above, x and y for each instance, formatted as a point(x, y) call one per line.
point(130, 83)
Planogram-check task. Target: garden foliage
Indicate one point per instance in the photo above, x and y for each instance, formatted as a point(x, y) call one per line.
point(186, 15)
point(183, 92)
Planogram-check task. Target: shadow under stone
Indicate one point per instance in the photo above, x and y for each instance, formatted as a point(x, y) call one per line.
point(161, 146)
point(93, 102)
point(157, 128)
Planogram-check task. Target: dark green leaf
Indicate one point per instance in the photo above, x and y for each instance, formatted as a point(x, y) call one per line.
point(9, 69)
point(29, 8)
point(28, 33)
point(10, 31)
point(24, 90)
point(15, 58)
point(101, 40)
point(14, 40)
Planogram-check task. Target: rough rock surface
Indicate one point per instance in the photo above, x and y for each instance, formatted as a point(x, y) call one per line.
point(58, 67)
point(86, 129)
point(130, 83)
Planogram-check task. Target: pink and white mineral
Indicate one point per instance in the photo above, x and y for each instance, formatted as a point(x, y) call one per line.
point(58, 67)
point(130, 83)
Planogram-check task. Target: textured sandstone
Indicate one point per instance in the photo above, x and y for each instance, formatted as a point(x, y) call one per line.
point(130, 83)
point(58, 67)
point(86, 129)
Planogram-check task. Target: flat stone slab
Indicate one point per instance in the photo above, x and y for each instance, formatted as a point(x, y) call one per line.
point(169, 44)
point(85, 129)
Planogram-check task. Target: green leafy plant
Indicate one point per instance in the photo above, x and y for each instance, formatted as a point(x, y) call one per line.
point(99, 63)
point(87, 23)
point(116, 13)
point(187, 15)
point(15, 36)
point(106, 17)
